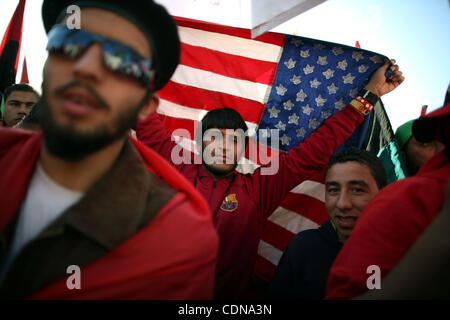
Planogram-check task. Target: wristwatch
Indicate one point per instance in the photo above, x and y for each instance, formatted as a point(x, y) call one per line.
point(372, 98)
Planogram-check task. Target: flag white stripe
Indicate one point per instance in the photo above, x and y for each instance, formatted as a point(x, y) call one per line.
point(230, 44)
point(175, 110)
point(291, 221)
point(211, 81)
point(171, 109)
point(269, 252)
point(310, 188)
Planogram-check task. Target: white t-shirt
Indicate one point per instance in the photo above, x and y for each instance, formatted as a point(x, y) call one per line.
point(45, 201)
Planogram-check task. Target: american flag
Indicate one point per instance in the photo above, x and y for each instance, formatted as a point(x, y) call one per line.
point(275, 81)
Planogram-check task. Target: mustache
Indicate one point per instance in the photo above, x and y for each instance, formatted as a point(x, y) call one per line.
point(99, 100)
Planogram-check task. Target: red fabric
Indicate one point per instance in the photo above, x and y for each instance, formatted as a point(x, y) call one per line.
point(423, 111)
point(257, 195)
point(174, 257)
point(24, 77)
point(18, 153)
point(388, 227)
point(14, 30)
point(213, 100)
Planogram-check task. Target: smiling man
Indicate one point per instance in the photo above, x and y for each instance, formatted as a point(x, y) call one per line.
point(85, 194)
point(352, 179)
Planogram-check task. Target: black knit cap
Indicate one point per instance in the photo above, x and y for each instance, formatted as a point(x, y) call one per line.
point(151, 18)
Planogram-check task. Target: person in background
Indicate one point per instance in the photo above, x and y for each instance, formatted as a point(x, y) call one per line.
point(395, 218)
point(19, 99)
point(86, 211)
point(352, 179)
point(415, 153)
point(31, 121)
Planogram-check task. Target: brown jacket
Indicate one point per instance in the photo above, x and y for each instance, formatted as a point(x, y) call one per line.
point(117, 207)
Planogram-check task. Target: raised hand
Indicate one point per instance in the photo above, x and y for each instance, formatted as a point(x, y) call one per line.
point(379, 84)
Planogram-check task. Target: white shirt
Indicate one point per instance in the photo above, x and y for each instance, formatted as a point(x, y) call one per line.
point(45, 201)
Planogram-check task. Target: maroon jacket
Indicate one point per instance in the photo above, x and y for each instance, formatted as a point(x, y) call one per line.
point(252, 197)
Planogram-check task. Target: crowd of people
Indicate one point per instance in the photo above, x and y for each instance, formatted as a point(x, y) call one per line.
point(79, 190)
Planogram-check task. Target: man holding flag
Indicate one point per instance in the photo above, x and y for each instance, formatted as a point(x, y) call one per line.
point(255, 196)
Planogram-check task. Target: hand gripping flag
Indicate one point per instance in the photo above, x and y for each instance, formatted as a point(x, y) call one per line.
point(275, 81)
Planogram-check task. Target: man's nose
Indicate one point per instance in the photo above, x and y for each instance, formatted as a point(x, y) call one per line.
point(90, 64)
point(23, 109)
point(344, 201)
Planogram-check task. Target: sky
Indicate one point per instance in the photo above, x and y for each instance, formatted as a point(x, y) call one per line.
point(414, 32)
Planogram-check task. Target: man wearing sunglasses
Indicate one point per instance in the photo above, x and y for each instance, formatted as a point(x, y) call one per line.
point(85, 211)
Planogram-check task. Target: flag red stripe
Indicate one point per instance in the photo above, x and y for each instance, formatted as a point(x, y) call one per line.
point(306, 206)
point(209, 100)
point(171, 123)
point(228, 65)
point(276, 235)
point(268, 37)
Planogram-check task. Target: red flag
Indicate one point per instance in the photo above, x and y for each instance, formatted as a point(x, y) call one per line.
point(357, 44)
point(424, 110)
point(10, 48)
point(24, 78)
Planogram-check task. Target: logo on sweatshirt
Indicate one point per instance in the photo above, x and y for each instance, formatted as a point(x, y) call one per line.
point(230, 203)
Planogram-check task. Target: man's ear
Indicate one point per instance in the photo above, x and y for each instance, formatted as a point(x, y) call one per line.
point(149, 107)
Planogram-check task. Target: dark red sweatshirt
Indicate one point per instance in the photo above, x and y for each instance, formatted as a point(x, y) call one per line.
point(252, 197)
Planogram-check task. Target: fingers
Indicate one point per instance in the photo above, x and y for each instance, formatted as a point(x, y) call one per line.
point(397, 75)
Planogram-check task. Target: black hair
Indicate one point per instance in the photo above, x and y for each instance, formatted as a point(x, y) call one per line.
point(363, 157)
point(20, 87)
point(223, 118)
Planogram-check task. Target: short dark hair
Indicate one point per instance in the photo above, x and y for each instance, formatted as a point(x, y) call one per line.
point(363, 157)
point(20, 87)
point(223, 118)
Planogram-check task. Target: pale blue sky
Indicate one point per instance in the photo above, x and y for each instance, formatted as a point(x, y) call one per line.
point(414, 32)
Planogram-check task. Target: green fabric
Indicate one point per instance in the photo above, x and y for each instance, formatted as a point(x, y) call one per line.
point(2, 108)
point(392, 161)
point(381, 141)
point(403, 133)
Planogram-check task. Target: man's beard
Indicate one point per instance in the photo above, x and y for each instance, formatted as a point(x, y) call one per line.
point(68, 143)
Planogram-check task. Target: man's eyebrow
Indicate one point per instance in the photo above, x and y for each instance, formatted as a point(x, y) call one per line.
point(358, 182)
point(13, 100)
point(351, 182)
